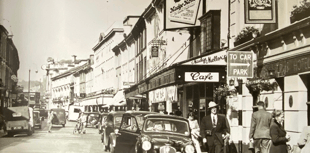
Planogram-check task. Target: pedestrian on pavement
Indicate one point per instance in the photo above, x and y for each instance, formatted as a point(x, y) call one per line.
point(83, 119)
point(304, 140)
point(214, 128)
point(178, 112)
point(195, 130)
point(260, 129)
point(278, 134)
point(49, 120)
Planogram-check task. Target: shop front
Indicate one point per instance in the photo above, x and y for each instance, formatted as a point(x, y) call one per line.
point(202, 75)
point(164, 100)
point(187, 85)
point(98, 102)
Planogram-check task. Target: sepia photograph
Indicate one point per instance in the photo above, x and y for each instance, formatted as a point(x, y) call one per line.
point(154, 76)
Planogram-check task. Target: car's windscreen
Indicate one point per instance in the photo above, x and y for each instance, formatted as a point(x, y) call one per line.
point(140, 120)
point(118, 120)
point(162, 125)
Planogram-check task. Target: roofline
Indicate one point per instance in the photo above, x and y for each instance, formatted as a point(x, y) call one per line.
point(130, 16)
point(107, 37)
point(69, 72)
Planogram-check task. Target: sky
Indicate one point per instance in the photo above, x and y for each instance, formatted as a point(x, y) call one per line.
point(60, 28)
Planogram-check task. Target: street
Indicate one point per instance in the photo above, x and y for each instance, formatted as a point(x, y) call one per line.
point(60, 140)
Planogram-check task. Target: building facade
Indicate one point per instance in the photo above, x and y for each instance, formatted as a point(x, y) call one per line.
point(8, 69)
point(106, 69)
point(281, 58)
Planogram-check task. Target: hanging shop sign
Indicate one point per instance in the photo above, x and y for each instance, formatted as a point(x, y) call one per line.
point(154, 51)
point(240, 64)
point(159, 42)
point(218, 58)
point(260, 11)
point(201, 76)
point(182, 13)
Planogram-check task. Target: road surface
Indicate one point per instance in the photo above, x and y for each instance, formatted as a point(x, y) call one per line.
point(60, 140)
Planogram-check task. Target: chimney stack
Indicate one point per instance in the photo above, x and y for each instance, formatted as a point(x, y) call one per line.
point(91, 57)
point(74, 58)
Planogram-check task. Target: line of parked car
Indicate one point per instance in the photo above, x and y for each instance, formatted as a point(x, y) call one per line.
point(144, 132)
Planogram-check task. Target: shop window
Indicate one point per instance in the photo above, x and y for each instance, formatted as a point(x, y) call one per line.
point(211, 21)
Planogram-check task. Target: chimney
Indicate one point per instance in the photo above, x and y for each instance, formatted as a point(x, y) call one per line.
point(74, 58)
point(91, 57)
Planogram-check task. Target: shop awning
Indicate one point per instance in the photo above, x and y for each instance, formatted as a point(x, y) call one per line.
point(119, 97)
point(137, 97)
point(87, 102)
point(107, 101)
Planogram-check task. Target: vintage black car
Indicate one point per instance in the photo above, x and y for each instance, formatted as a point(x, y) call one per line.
point(149, 133)
point(113, 121)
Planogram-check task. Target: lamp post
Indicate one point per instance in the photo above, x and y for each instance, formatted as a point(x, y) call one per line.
point(29, 88)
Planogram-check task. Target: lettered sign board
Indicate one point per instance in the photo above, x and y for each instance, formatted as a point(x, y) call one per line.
point(240, 64)
point(202, 77)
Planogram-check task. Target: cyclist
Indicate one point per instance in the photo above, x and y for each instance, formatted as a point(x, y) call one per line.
point(82, 120)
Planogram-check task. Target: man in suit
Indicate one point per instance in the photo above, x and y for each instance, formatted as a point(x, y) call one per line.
point(260, 129)
point(214, 128)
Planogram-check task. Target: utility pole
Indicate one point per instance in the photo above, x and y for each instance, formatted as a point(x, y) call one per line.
point(29, 88)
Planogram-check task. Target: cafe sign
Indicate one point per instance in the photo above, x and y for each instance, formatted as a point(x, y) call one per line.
point(201, 77)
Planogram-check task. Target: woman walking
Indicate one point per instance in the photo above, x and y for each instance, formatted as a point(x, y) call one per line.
point(195, 130)
point(49, 120)
point(278, 134)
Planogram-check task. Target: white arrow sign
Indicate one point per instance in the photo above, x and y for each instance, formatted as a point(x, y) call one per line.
point(240, 64)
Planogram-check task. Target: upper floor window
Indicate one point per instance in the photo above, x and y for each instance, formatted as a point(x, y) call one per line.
point(141, 42)
point(156, 25)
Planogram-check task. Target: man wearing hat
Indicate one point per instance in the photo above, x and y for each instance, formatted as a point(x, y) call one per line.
point(260, 129)
point(214, 128)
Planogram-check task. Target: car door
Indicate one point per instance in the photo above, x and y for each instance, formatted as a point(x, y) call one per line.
point(129, 132)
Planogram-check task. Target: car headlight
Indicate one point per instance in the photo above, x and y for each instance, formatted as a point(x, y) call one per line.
point(146, 145)
point(189, 149)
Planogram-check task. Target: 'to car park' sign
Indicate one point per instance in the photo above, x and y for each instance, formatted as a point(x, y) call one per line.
point(240, 64)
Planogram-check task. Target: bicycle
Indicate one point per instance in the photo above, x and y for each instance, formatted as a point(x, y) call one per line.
point(78, 128)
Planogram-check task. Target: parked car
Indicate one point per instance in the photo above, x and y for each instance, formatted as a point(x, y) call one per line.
point(92, 119)
point(37, 119)
point(148, 133)
point(113, 121)
point(102, 121)
point(19, 119)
